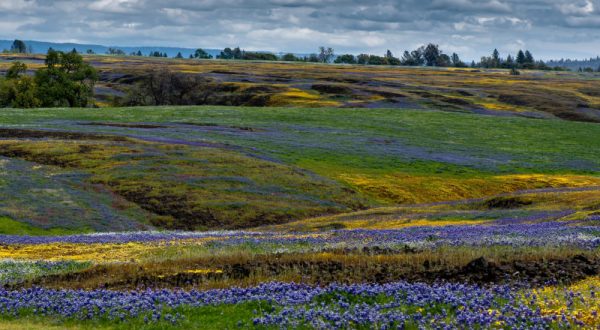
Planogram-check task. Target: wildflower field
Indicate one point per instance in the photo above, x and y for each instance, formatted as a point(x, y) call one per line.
point(221, 217)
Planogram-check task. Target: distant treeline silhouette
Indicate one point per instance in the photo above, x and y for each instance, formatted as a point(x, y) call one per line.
point(426, 55)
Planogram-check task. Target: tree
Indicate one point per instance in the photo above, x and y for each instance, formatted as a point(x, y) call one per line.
point(520, 58)
point(377, 60)
point(495, 59)
point(179, 56)
point(456, 62)
point(345, 59)
point(115, 51)
point(16, 70)
point(65, 81)
point(325, 54)
point(390, 59)
point(18, 46)
point(362, 59)
point(90, 52)
point(414, 58)
point(164, 87)
point(289, 57)
point(314, 58)
point(237, 53)
point(528, 57)
point(18, 90)
point(230, 54)
point(74, 51)
point(201, 54)
point(432, 55)
point(226, 54)
point(510, 62)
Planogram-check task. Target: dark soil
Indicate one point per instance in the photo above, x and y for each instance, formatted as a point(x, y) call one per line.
point(506, 202)
point(479, 271)
point(331, 89)
point(14, 133)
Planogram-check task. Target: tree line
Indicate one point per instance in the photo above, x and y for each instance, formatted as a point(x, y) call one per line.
point(426, 55)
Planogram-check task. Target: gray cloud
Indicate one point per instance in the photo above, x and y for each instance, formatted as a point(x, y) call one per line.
point(550, 28)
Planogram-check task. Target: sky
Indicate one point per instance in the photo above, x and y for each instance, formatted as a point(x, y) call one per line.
point(551, 29)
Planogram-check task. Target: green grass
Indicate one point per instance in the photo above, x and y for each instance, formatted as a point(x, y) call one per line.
point(262, 164)
point(529, 144)
point(9, 226)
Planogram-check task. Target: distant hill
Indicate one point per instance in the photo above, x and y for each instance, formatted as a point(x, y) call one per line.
point(41, 47)
point(575, 65)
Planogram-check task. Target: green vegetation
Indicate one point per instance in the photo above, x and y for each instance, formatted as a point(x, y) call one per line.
point(9, 226)
point(218, 167)
point(66, 81)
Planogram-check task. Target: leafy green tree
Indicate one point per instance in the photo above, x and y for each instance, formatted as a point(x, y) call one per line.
point(115, 51)
point(18, 90)
point(201, 54)
point(377, 60)
point(362, 59)
point(16, 70)
point(346, 58)
point(289, 57)
point(390, 59)
point(432, 55)
point(179, 56)
point(226, 54)
point(66, 81)
point(456, 61)
point(414, 58)
point(18, 46)
point(313, 58)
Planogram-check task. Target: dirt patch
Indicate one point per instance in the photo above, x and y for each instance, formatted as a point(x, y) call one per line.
point(13, 133)
point(316, 271)
point(464, 93)
point(331, 89)
point(518, 100)
point(506, 203)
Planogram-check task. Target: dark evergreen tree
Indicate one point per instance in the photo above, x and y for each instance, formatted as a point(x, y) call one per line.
point(495, 58)
point(18, 46)
point(520, 58)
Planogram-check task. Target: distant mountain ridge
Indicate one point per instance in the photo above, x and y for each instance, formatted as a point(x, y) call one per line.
point(41, 47)
point(575, 65)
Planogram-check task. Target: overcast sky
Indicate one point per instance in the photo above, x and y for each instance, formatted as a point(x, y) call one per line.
point(549, 28)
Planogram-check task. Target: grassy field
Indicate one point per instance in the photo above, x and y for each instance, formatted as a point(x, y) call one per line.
point(401, 214)
point(215, 167)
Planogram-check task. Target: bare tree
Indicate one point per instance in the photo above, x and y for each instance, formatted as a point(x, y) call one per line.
point(326, 54)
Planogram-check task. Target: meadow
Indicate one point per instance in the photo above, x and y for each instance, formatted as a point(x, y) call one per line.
point(425, 213)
